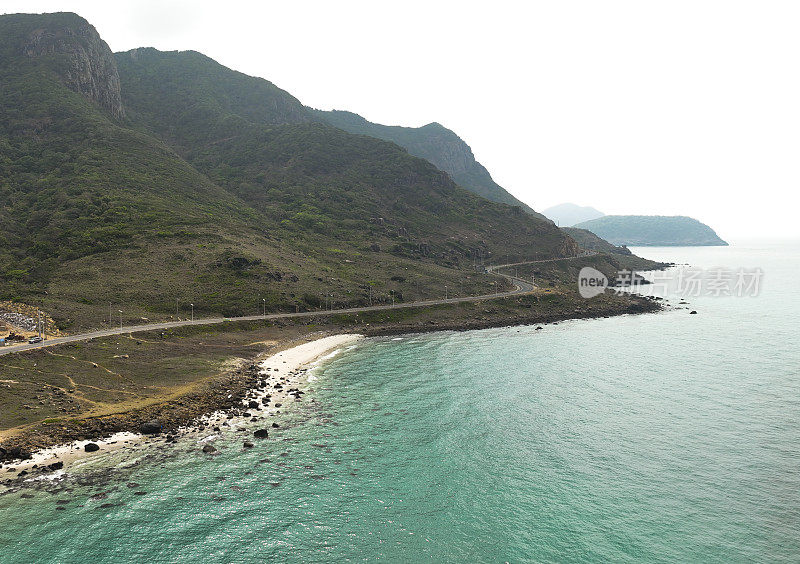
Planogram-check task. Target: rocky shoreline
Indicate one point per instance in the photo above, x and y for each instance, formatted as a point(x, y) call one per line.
point(248, 395)
point(245, 387)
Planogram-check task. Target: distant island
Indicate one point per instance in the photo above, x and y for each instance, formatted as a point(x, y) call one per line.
point(568, 215)
point(653, 230)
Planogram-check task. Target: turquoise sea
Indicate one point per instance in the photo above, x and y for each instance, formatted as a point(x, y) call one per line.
point(652, 438)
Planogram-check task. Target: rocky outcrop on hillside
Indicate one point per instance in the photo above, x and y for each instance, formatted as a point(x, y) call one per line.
point(87, 65)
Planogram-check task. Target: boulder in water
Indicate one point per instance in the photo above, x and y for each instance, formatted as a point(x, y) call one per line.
point(261, 434)
point(91, 447)
point(209, 449)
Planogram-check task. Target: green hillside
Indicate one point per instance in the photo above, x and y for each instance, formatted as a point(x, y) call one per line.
point(74, 181)
point(174, 178)
point(652, 230)
point(436, 144)
point(590, 242)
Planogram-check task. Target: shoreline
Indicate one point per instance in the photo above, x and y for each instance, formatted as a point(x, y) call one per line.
point(280, 373)
point(230, 394)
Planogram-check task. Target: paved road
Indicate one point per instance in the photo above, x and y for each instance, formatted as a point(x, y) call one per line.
point(521, 287)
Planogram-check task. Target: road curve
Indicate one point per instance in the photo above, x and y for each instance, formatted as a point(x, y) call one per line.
point(521, 287)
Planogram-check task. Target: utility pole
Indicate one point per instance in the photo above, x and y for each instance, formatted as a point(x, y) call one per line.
point(264, 303)
point(192, 312)
point(176, 308)
point(110, 321)
point(120, 319)
point(445, 291)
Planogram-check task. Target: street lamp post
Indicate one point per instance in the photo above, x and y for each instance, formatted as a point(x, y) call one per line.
point(192, 312)
point(264, 303)
point(120, 319)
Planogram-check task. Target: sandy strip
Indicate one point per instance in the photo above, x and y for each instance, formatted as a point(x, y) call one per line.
point(284, 371)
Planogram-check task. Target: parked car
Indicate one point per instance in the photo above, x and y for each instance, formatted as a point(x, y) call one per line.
point(33, 340)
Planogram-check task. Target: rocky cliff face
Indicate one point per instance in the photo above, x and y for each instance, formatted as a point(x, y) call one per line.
point(86, 64)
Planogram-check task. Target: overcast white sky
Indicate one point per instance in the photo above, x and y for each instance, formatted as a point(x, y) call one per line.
point(680, 107)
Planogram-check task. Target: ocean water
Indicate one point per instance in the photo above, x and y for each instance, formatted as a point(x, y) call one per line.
point(652, 438)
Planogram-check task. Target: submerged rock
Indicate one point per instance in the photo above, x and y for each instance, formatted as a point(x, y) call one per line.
point(91, 447)
point(248, 444)
point(209, 449)
point(261, 434)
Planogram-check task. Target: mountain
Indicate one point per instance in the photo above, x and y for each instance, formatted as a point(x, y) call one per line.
point(652, 230)
point(590, 242)
point(434, 143)
point(135, 180)
point(567, 215)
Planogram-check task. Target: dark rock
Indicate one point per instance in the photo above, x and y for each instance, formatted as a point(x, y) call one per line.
point(91, 447)
point(278, 404)
point(248, 444)
point(275, 425)
point(693, 312)
point(209, 449)
point(150, 428)
point(252, 405)
point(261, 434)
point(17, 452)
point(56, 466)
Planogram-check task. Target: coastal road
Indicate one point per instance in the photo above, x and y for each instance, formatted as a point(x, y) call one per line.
point(521, 287)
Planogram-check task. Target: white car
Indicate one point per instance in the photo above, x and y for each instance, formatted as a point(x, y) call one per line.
point(33, 340)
